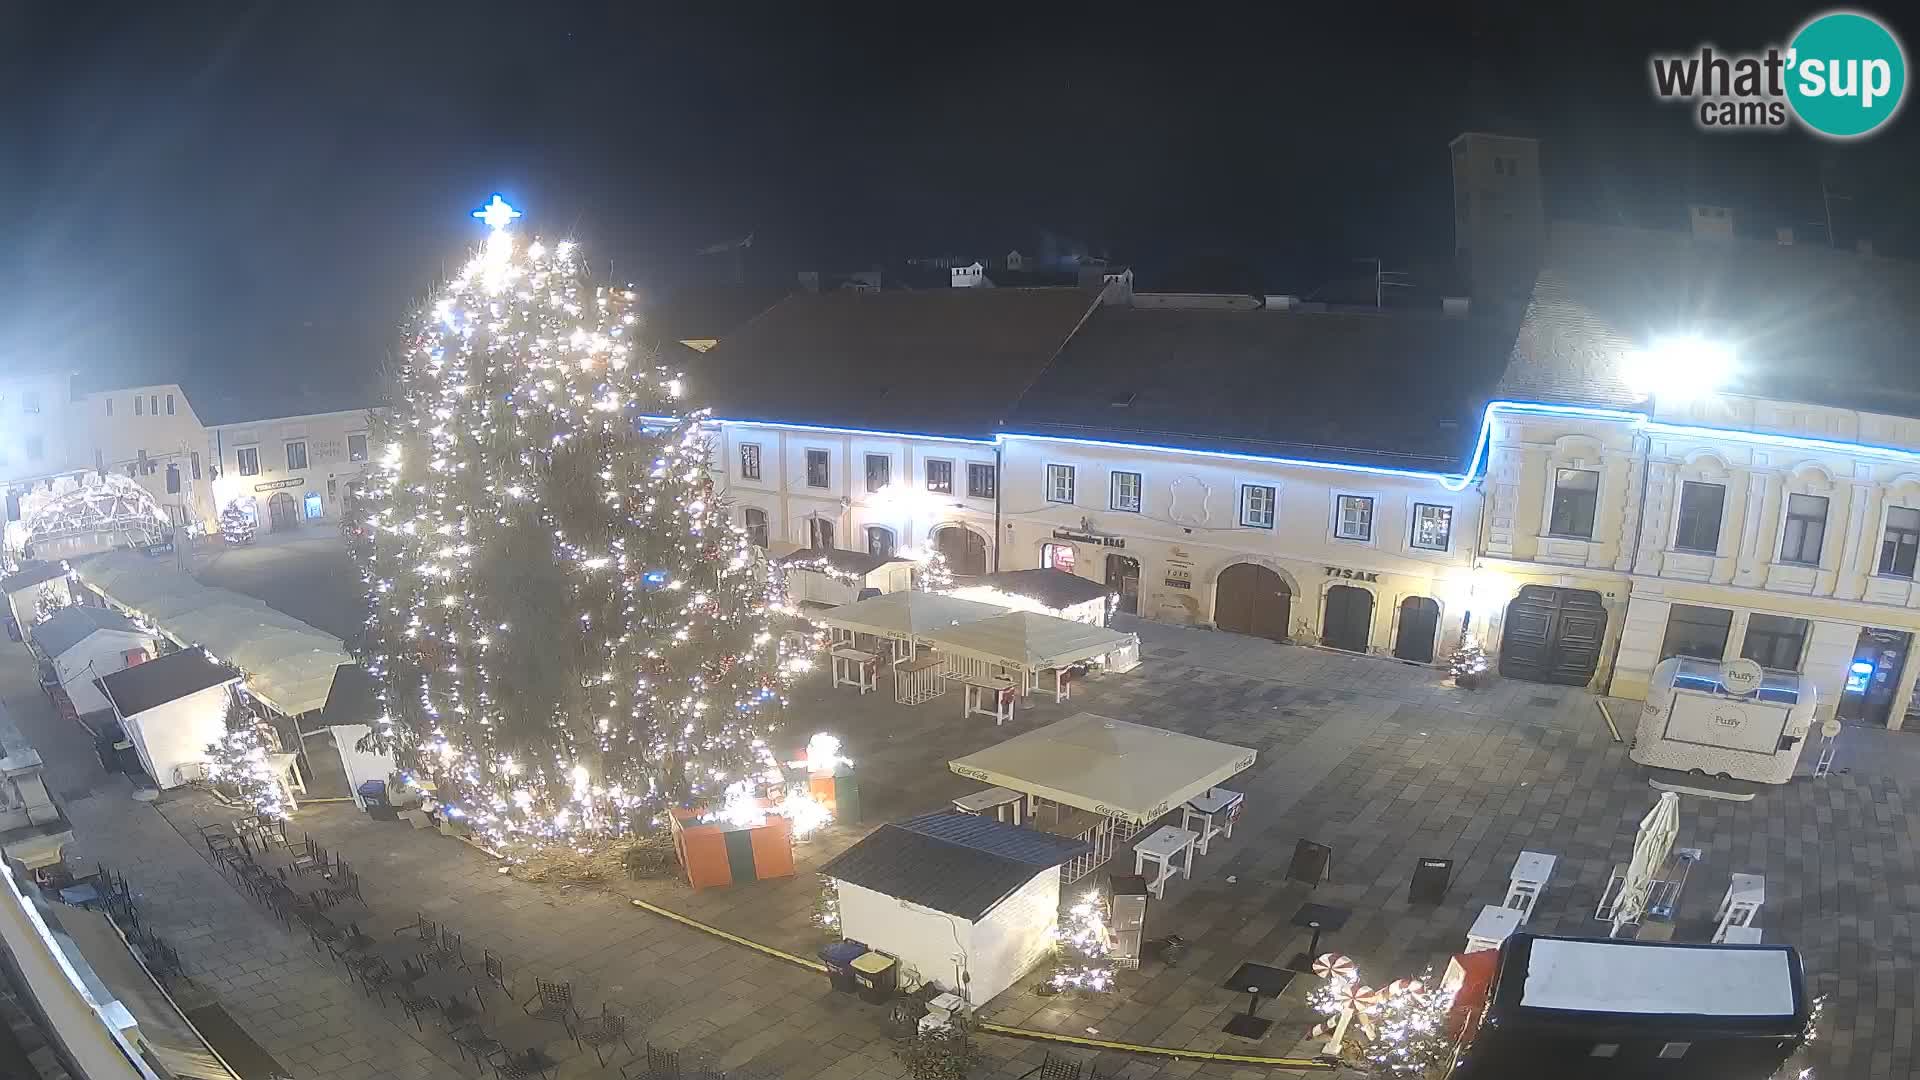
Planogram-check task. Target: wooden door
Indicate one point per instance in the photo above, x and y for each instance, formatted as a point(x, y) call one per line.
point(1251, 599)
point(966, 552)
point(1349, 620)
point(1553, 635)
point(1419, 618)
point(281, 512)
point(1123, 577)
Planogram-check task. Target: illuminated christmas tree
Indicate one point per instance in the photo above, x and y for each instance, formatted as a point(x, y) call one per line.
point(566, 629)
point(236, 525)
point(1084, 947)
point(1468, 664)
point(238, 763)
point(49, 601)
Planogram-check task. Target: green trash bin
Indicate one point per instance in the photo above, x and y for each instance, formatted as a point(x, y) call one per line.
point(876, 975)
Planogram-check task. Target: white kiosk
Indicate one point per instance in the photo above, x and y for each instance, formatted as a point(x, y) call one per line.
point(1728, 720)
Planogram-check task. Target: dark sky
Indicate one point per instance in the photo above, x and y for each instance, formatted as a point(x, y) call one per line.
point(251, 195)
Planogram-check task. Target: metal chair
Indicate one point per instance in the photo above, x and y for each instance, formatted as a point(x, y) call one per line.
point(603, 1030)
point(448, 951)
point(659, 1064)
point(496, 972)
point(472, 1042)
point(1055, 1068)
point(457, 1012)
point(510, 1066)
point(422, 927)
point(412, 1002)
point(309, 857)
point(376, 978)
point(556, 1004)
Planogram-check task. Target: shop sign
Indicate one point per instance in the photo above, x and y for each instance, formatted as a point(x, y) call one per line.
point(1353, 575)
point(1740, 677)
point(1089, 538)
point(1179, 577)
point(276, 485)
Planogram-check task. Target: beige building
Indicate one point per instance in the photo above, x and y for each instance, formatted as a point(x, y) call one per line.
point(290, 470)
point(152, 434)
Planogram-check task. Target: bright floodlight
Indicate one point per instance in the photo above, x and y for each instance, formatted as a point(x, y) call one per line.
point(1679, 367)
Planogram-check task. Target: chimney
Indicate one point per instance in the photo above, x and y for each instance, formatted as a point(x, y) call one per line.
point(1864, 246)
point(1455, 307)
point(1711, 222)
point(1282, 303)
point(1784, 235)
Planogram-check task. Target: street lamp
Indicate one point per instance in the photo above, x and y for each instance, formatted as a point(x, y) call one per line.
point(1678, 368)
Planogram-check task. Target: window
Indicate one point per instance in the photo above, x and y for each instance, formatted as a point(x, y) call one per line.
point(1575, 493)
point(296, 455)
point(1806, 529)
point(1056, 557)
point(879, 542)
point(940, 476)
point(356, 448)
point(819, 470)
point(139, 405)
point(1060, 483)
point(1432, 526)
point(1697, 631)
point(749, 461)
point(30, 401)
point(153, 404)
point(173, 479)
point(109, 405)
point(36, 447)
point(333, 487)
point(1902, 540)
point(169, 404)
point(1775, 641)
point(1125, 493)
point(248, 459)
point(756, 521)
point(1700, 506)
point(1674, 1051)
point(879, 471)
point(820, 534)
point(145, 469)
point(981, 481)
point(193, 460)
point(1355, 518)
point(1256, 506)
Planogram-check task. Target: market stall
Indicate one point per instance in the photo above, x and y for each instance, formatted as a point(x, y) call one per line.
point(901, 619)
point(1730, 719)
point(835, 578)
point(1100, 780)
point(171, 709)
point(83, 643)
point(1046, 591)
point(1022, 644)
point(969, 903)
point(23, 587)
point(352, 707)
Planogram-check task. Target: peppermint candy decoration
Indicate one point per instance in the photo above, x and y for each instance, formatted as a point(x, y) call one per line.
point(1335, 966)
point(1404, 986)
point(1357, 998)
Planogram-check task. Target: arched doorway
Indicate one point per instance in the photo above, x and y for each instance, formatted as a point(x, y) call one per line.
point(966, 552)
point(1553, 635)
point(1349, 620)
point(282, 511)
point(1251, 599)
point(1419, 618)
point(880, 541)
point(1123, 577)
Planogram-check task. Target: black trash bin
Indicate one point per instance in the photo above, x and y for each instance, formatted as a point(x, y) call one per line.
point(877, 974)
point(374, 793)
point(839, 957)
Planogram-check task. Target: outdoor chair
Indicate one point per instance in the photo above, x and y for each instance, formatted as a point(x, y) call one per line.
point(308, 857)
point(457, 1012)
point(555, 1003)
point(375, 978)
point(447, 952)
point(605, 1030)
point(413, 1002)
point(1055, 1068)
point(659, 1064)
point(321, 932)
point(496, 972)
point(274, 830)
point(424, 928)
point(508, 1065)
point(470, 1041)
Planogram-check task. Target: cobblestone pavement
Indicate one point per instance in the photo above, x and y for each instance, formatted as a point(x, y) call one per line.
point(1374, 758)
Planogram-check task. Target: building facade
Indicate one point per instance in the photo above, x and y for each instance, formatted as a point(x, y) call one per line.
point(37, 431)
point(290, 470)
point(152, 434)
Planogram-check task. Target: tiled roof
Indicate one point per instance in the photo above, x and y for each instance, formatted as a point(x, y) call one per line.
point(957, 863)
point(74, 624)
point(941, 362)
point(352, 698)
point(1055, 588)
point(847, 562)
point(1807, 323)
point(1402, 390)
point(31, 574)
point(170, 678)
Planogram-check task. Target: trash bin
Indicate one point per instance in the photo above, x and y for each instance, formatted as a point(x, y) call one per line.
point(876, 974)
point(374, 793)
point(839, 957)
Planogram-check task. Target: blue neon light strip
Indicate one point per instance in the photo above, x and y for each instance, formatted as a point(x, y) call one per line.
point(1448, 481)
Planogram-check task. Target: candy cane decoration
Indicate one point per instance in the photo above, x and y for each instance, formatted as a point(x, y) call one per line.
point(1404, 986)
point(1333, 966)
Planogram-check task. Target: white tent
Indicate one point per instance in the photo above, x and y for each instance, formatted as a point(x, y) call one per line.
point(1107, 766)
point(1651, 845)
point(1028, 642)
point(904, 617)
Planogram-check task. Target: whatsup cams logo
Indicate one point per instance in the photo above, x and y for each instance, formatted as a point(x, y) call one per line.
point(1842, 75)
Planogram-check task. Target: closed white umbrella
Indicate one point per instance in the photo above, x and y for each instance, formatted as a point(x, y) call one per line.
point(1650, 849)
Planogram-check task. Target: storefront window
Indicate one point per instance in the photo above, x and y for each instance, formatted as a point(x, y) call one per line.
point(1697, 631)
point(1056, 557)
point(1775, 642)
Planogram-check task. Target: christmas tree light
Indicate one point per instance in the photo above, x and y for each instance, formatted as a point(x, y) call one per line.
point(239, 761)
point(1468, 664)
point(236, 525)
point(1084, 947)
point(566, 629)
point(1401, 1029)
point(49, 601)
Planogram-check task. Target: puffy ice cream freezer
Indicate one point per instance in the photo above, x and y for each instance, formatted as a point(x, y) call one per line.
point(1730, 720)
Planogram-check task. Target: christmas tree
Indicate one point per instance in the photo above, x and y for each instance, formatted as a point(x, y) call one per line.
point(1084, 947)
point(566, 629)
point(1468, 664)
point(238, 763)
point(49, 601)
point(235, 523)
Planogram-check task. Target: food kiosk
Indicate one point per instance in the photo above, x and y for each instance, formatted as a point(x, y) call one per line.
point(1732, 720)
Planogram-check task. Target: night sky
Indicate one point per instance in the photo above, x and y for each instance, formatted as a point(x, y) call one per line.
point(251, 197)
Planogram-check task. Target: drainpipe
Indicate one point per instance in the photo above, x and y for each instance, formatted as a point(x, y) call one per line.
point(1643, 442)
point(999, 482)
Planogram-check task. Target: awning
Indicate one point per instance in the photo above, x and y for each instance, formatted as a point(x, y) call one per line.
point(905, 614)
point(1107, 766)
point(1027, 639)
point(288, 663)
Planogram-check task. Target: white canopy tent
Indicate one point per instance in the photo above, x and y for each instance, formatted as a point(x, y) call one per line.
point(1027, 643)
point(904, 618)
point(1123, 776)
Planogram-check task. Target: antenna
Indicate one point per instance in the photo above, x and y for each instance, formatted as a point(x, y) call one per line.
point(1384, 279)
point(1826, 204)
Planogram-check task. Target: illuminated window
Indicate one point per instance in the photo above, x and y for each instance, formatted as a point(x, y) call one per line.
point(1060, 483)
point(1056, 557)
point(1355, 518)
point(879, 542)
point(940, 476)
point(1432, 526)
point(356, 448)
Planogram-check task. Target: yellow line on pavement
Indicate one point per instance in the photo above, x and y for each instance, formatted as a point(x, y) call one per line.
point(1001, 1029)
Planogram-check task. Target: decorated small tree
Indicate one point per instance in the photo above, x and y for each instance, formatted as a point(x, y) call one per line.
point(567, 631)
point(236, 525)
point(50, 600)
point(238, 766)
point(1084, 946)
point(1468, 664)
point(931, 572)
point(1399, 1031)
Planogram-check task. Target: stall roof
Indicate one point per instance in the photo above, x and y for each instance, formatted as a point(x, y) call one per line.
point(74, 624)
point(1027, 639)
point(170, 678)
point(353, 698)
point(858, 563)
point(1607, 976)
point(906, 614)
point(288, 663)
point(31, 574)
point(1107, 766)
point(1057, 589)
point(957, 863)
